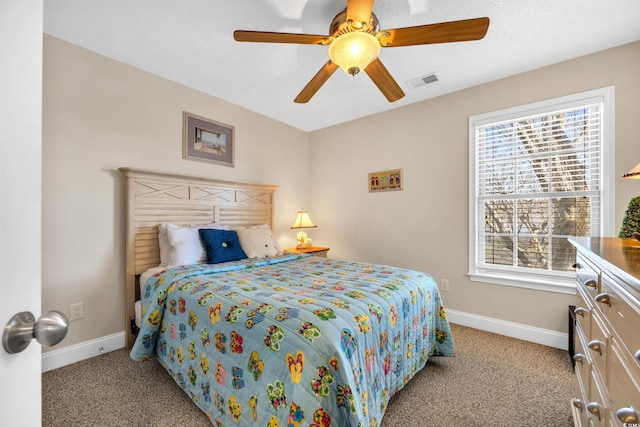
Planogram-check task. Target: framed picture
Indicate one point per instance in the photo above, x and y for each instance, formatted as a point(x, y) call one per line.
point(207, 141)
point(385, 181)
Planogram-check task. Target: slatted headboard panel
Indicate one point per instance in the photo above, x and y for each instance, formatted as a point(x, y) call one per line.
point(153, 198)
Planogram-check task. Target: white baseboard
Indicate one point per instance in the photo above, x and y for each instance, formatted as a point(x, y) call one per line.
point(85, 350)
point(74, 353)
point(515, 330)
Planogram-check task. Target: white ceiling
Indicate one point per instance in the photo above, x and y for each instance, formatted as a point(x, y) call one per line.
point(191, 42)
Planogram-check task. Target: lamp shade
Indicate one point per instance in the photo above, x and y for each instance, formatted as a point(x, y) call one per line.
point(303, 220)
point(633, 173)
point(354, 51)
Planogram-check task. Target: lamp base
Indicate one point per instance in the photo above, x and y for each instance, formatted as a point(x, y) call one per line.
point(302, 240)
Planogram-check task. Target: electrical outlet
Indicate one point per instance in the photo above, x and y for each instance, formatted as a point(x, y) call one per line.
point(444, 285)
point(76, 311)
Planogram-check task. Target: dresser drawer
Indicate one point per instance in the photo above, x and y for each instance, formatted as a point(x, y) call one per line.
point(624, 384)
point(579, 402)
point(587, 275)
point(583, 312)
point(598, 344)
point(622, 314)
point(597, 402)
point(583, 361)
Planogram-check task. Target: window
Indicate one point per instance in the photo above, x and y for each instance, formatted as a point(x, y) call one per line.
point(540, 174)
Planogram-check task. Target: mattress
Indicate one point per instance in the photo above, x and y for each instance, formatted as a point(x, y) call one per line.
point(293, 339)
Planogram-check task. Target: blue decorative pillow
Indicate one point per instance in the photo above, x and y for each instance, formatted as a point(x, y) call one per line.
point(221, 245)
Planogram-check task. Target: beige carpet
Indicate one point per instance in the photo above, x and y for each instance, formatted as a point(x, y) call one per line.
point(491, 381)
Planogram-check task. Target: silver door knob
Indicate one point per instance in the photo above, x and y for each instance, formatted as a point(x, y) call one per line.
point(595, 345)
point(628, 415)
point(578, 403)
point(48, 330)
point(579, 311)
point(594, 408)
point(603, 298)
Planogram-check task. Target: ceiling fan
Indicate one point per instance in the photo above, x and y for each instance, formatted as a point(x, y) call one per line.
point(355, 40)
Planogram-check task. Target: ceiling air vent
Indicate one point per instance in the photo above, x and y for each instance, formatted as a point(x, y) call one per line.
point(422, 81)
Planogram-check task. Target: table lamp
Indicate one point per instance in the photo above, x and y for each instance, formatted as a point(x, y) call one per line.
point(302, 221)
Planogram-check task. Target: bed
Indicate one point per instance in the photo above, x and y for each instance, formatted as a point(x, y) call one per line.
point(285, 339)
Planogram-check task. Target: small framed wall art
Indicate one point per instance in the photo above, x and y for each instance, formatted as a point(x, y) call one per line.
point(385, 181)
point(207, 141)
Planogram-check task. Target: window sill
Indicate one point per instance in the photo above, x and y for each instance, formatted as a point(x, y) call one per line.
point(566, 286)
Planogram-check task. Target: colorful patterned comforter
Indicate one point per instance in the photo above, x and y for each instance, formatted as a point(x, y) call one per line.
point(293, 340)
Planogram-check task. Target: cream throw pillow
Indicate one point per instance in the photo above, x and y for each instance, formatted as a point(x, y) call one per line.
point(257, 242)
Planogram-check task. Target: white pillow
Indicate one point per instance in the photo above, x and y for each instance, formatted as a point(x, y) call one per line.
point(163, 242)
point(257, 242)
point(185, 244)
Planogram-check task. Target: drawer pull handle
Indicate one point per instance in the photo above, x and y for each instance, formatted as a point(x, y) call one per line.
point(595, 345)
point(578, 403)
point(591, 283)
point(578, 357)
point(603, 298)
point(594, 408)
point(579, 311)
point(627, 415)
point(637, 355)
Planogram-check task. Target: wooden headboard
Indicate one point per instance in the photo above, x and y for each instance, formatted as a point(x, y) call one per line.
point(154, 197)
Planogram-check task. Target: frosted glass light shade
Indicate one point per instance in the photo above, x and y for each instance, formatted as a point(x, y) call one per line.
point(354, 51)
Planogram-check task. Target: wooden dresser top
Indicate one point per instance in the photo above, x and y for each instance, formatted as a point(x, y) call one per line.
point(622, 255)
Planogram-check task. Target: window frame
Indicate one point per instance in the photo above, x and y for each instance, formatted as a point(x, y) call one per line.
point(554, 281)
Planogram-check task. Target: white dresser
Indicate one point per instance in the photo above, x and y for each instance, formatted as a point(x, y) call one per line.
point(607, 333)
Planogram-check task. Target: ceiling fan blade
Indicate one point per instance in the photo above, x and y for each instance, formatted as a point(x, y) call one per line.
point(359, 11)
point(383, 79)
point(316, 83)
point(269, 37)
point(444, 32)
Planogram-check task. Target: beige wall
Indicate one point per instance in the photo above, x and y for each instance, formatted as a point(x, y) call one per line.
point(99, 115)
point(425, 226)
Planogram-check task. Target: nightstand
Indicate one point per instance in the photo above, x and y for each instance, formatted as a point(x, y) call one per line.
point(315, 250)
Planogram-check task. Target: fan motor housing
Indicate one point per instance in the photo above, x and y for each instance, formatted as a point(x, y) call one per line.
point(339, 25)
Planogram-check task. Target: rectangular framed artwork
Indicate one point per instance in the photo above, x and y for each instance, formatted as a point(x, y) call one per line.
point(207, 141)
point(385, 181)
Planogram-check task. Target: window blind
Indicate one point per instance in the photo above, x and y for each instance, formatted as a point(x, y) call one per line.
point(538, 181)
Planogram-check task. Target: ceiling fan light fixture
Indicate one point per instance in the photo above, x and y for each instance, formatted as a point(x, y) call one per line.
point(353, 51)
